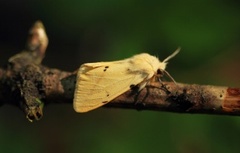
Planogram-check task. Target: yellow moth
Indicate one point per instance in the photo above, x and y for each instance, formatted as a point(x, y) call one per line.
point(99, 83)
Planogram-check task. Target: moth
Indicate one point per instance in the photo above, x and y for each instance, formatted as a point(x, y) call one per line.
point(99, 83)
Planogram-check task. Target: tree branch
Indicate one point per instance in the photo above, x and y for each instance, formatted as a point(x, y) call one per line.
point(26, 83)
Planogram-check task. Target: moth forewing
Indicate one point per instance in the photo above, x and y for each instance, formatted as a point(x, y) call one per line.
point(100, 84)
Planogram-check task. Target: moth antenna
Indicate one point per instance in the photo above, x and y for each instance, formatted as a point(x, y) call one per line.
point(172, 55)
point(166, 72)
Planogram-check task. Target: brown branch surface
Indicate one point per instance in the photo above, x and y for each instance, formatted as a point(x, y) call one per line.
point(183, 98)
point(26, 83)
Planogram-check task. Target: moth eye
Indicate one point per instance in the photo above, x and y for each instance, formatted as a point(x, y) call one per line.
point(159, 72)
point(105, 68)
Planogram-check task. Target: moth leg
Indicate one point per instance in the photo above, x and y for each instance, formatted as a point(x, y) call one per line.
point(140, 104)
point(164, 88)
point(140, 87)
point(145, 81)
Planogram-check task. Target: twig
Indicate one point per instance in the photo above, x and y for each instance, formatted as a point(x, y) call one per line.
point(26, 83)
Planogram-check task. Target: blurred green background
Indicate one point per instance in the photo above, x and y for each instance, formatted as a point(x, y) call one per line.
point(90, 31)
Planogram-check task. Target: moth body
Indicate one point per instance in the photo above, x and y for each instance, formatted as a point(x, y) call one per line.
point(99, 83)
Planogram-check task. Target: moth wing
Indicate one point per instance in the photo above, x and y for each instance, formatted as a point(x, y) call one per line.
point(99, 83)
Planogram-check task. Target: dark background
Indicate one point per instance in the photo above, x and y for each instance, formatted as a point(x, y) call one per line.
point(89, 31)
